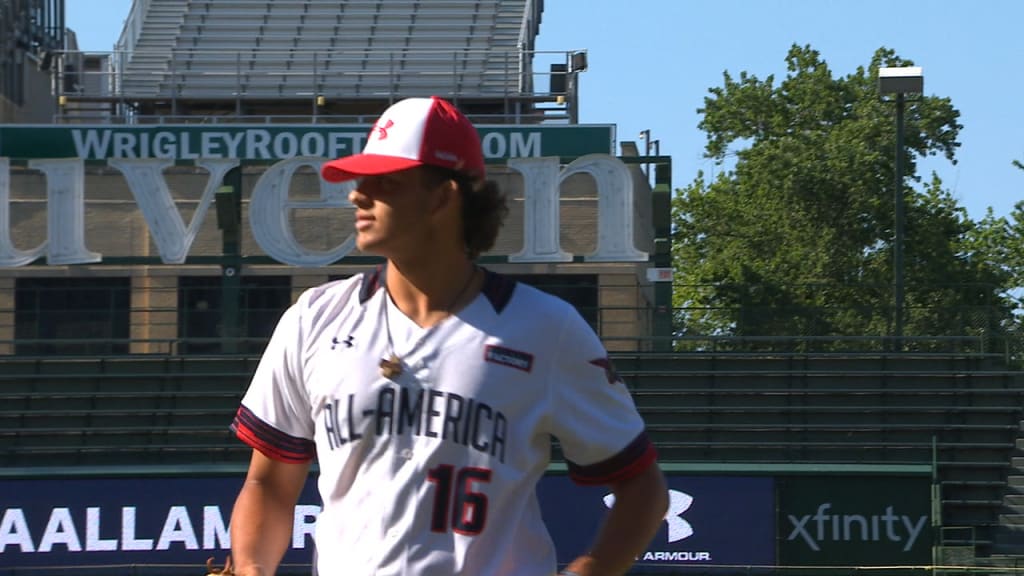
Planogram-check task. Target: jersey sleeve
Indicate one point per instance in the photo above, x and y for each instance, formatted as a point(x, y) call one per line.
point(594, 419)
point(275, 417)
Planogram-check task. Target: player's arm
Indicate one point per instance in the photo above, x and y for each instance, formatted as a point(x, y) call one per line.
point(261, 523)
point(639, 508)
point(593, 414)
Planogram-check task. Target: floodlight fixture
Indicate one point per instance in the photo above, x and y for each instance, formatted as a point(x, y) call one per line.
point(901, 80)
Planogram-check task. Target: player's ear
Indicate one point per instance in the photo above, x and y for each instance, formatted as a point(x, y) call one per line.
point(445, 196)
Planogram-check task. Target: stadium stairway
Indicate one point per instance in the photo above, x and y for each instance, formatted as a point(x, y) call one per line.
point(962, 412)
point(1009, 537)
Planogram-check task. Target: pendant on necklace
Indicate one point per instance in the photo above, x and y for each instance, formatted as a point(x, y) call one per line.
point(391, 367)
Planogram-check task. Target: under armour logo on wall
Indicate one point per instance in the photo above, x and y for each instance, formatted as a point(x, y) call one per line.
point(678, 502)
point(382, 131)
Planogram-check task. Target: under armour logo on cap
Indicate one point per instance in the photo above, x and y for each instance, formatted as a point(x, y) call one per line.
point(414, 132)
point(381, 131)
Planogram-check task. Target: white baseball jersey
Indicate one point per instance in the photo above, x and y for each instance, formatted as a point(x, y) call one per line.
point(433, 472)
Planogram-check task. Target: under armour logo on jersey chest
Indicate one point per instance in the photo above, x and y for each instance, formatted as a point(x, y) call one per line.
point(348, 342)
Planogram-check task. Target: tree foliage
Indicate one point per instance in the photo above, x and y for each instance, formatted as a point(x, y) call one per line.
point(795, 236)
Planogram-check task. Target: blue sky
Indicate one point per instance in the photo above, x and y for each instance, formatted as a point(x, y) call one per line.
point(651, 63)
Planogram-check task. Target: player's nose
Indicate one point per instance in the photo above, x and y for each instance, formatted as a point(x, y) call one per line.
point(358, 197)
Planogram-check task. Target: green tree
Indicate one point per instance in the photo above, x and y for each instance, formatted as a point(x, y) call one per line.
point(794, 237)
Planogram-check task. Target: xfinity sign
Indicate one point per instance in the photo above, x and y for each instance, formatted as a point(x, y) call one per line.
point(855, 520)
point(826, 526)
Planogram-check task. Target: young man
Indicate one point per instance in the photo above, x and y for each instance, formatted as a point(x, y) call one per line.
point(429, 389)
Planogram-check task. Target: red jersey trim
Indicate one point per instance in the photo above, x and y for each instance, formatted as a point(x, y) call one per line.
point(636, 457)
point(270, 441)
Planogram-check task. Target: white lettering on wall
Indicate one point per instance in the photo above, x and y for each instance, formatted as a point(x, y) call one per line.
point(542, 183)
point(128, 539)
point(177, 528)
point(146, 181)
point(270, 206)
point(304, 524)
point(10, 256)
point(270, 209)
point(215, 533)
point(540, 211)
point(65, 211)
point(93, 542)
point(60, 530)
point(614, 207)
point(14, 531)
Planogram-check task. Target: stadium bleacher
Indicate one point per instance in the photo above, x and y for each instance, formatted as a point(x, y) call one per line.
point(963, 411)
point(364, 48)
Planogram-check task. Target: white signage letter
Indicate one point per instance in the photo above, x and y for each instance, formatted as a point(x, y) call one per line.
point(14, 531)
point(300, 528)
point(540, 211)
point(269, 210)
point(93, 542)
point(214, 530)
point(9, 255)
point(146, 181)
point(128, 539)
point(177, 528)
point(541, 192)
point(614, 207)
point(65, 211)
point(60, 530)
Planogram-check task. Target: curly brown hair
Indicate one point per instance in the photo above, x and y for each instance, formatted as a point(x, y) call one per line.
point(484, 207)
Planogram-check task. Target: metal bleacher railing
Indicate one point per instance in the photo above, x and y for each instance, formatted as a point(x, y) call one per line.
point(324, 52)
point(318, 77)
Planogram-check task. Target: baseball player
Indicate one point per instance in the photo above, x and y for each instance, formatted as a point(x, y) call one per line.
point(428, 390)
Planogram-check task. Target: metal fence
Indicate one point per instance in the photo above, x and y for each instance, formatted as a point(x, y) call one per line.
point(202, 315)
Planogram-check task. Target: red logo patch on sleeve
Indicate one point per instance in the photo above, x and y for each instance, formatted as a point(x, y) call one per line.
point(609, 369)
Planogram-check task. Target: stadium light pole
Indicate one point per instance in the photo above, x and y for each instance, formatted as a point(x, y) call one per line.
point(645, 135)
point(899, 81)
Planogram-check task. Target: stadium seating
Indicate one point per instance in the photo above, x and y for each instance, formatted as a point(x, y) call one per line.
point(962, 410)
point(119, 410)
point(298, 48)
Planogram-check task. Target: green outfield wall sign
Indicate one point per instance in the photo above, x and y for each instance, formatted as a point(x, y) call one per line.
point(272, 142)
point(855, 521)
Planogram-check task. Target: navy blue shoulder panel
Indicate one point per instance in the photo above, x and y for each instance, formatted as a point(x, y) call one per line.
point(498, 289)
point(372, 281)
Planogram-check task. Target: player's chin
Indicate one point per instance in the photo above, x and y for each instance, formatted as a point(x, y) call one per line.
point(369, 243)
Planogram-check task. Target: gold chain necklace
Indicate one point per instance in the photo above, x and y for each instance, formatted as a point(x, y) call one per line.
point(392, 366)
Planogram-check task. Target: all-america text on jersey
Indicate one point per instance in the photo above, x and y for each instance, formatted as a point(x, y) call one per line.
point(423, 412)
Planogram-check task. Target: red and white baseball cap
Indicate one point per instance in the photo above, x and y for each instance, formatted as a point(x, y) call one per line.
point(410, 133)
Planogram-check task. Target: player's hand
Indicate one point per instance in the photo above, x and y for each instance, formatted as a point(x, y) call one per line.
point(226, 570)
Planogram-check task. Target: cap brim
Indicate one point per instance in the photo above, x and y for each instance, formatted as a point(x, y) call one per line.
point(359, 165)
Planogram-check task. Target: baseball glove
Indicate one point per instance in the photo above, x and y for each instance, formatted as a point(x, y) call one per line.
point(225, 571)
